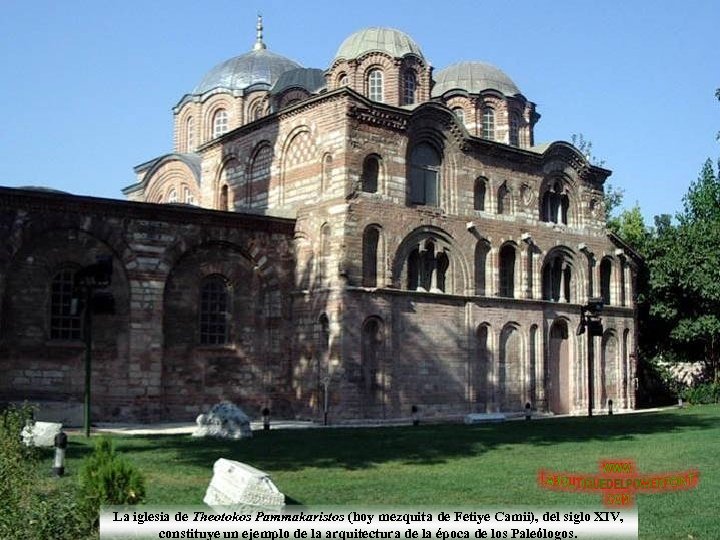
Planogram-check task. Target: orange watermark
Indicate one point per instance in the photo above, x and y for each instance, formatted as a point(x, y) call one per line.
point(618, 481)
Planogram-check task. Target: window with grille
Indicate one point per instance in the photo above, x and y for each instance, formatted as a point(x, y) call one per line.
point(214, 311)
point(488, 124)
point(64, 324)
point(375, 85)
point(409, 87)
point(220, 123)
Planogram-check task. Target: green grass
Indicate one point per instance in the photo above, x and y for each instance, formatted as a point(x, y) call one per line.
point(452, 465)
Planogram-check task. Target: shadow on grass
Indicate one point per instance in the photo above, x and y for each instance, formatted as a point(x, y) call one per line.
point(357, 448)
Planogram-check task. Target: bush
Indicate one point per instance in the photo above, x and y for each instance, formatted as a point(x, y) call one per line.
point(702, 394)
point(108, 479)
point(34, 508)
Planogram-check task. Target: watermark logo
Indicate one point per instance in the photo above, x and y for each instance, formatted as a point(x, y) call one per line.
point(618, 481)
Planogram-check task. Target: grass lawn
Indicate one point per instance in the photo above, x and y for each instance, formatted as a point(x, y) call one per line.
point(452, 465)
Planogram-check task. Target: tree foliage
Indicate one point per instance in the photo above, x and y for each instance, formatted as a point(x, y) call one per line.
point(684, 263)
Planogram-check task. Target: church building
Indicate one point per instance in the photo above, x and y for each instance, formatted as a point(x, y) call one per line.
point(354, 240)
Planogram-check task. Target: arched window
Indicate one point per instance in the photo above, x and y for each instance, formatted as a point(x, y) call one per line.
point(371, 240)
point(479, 368)
point(370, 173)
point(409, 87)
point(514, 134)
point(342, 80)
point(190, 134)
point(65, 324)
point(214, 317)
point(557, 278)
point(479, 193)
point(259, 177)
point(324, 267)
point(507, 271)
point(555, 204)
point(424, 175)
point(188, 197)
point(459, 114)
point(510, 369)
point(220, 122)
point(371, 350)
point(375, 85)
point(481, 252)
point(488, 125)
point(326, 172)
point(223, 203)
point(172, 196)
point(324, 336)
point(504, 201)
point(427, 268)
point(606, 280)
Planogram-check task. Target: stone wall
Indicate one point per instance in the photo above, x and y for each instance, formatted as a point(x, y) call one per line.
point(147, 360)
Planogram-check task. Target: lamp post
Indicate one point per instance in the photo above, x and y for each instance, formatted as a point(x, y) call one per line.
point(86, 284)
point(590, 319)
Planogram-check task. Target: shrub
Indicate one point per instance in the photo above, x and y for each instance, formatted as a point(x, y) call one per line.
point(702, 394)
point(106, 478)
point(34, 508)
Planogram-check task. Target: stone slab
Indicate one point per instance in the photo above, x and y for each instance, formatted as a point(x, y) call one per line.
point(239, 487)
point(225, 420)
point(483, 418)
point(41, 434)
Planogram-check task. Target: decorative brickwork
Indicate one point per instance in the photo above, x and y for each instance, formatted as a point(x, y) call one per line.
point(418, 256)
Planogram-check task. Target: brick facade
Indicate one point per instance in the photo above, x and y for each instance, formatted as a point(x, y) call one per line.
point(376, 256)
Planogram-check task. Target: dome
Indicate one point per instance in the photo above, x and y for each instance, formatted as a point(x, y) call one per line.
point(257, 66)
point(388, 40)
point(310, 79)
point(473, 77)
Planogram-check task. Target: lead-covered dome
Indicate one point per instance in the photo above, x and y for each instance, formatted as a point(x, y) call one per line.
point(473, 77)
point(387, 40)
point(259, 66)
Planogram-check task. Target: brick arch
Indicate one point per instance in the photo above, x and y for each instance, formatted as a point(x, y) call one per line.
point(171, 174)
point(258, 170)
point(210, 107)
point(31, 270)
point(577, 285)
point(510, 367)
point(100, 229)
point(235, 191)
point(444, 240)
point(299, 150)
point(261, 264)
point(569, 187)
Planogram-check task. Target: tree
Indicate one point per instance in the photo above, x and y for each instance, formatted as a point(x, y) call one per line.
point(613, 194)
point(630, 226)
point(685, 273)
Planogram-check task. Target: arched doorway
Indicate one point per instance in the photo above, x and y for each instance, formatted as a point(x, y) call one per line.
point(558, 375)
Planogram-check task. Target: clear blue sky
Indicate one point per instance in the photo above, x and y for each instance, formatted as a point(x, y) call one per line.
point(88, 86)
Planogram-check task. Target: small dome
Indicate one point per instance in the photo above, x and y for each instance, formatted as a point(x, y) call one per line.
point(310, 79)
point(473, 77)
point(257, 66)
point(388, 40)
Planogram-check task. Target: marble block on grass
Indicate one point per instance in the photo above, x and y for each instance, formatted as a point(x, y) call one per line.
point(481, 418)
point(225, 420)
point(41, 434)
point(239, 487)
